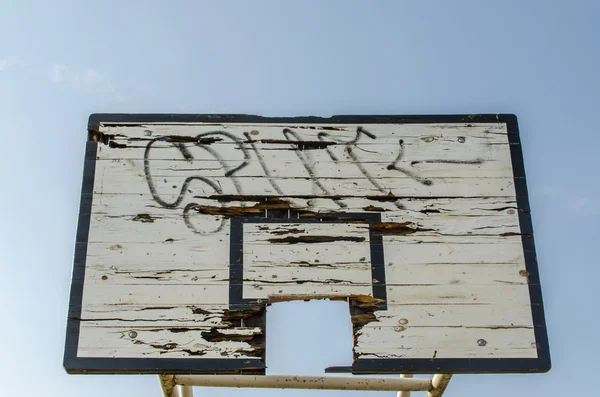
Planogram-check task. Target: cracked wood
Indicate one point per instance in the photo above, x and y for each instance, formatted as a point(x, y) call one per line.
point(159, 275)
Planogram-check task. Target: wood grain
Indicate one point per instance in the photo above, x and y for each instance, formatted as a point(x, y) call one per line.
point(441, 206)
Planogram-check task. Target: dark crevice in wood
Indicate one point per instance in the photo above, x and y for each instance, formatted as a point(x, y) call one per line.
point(314, 239)
point(158, 308)
point(106, 139)
point(145, 218)
point(374, 209)
point(296, 281)
point(285, 231)
point(396, 228)
point(197, 310)
point(166, 346)
point(194, 352)
point(298, 145)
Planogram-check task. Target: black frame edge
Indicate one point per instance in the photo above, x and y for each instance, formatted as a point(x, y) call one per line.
point(79, 259)
point(544, 363)
point(96, 119)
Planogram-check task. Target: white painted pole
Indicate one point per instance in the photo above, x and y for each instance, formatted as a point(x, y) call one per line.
point(305, 382)
point(439, 384)
point(405, 393)
point(186, 391)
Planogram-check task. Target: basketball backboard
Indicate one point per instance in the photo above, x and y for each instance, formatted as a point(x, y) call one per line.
point(190, 225)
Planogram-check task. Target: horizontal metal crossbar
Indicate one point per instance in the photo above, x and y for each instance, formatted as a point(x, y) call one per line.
point(435, 386)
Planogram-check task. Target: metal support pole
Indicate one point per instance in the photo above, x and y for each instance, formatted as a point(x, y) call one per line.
point(439, 384)
point(186, 391)
point(306, 382)
point(168, 385)
point(405, 393)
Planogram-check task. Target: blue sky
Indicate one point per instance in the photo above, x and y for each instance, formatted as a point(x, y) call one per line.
point(62, 60)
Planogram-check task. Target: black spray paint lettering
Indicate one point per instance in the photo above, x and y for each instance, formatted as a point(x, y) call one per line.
point(298, 145)
point(201, 142)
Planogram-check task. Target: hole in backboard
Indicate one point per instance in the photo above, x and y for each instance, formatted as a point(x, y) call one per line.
point(307, 337)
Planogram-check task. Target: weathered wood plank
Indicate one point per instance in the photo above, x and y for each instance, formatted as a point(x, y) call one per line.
point(131, 205)
point(494, 165)
point(285, 273)
point(345, 133)
point(448, 160)
point(180, 254)
point(168, 224)
point(261, 290)
point(171, 342)
point(192, 316)
point(495, 294)
point(186, 295)
point(130, 275)
point(479, 315)
point(170, 188)
point(445, 342)
point(450, 250)
point(455, 273)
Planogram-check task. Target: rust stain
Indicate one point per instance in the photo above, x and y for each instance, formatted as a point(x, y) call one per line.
point(373, 208)
point(214, 335)
point(396, 228)
point(166, 346)
point(270, 204)
point(362, 312)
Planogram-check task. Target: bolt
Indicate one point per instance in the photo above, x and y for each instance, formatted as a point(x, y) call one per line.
point(511, 211)
point(399, 328)
point(132, 334)
point(481, 342)
point(254, 132)
point(403, 321)
point(105, 277)
point(523, 273)
point(147, 132)
point(461, 139)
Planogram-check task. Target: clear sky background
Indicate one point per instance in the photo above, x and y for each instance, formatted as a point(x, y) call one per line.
point(62, 60)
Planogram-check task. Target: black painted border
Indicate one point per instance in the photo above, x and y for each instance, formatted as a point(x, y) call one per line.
point(74, 364)
point(236, 256)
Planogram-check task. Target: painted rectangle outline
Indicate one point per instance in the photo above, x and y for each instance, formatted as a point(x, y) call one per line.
point(236, 258)
point(74, 364)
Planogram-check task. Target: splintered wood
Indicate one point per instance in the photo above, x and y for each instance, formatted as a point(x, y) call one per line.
point(195, 228)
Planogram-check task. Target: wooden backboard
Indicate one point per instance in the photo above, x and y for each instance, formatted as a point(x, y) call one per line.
point(190, 225)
